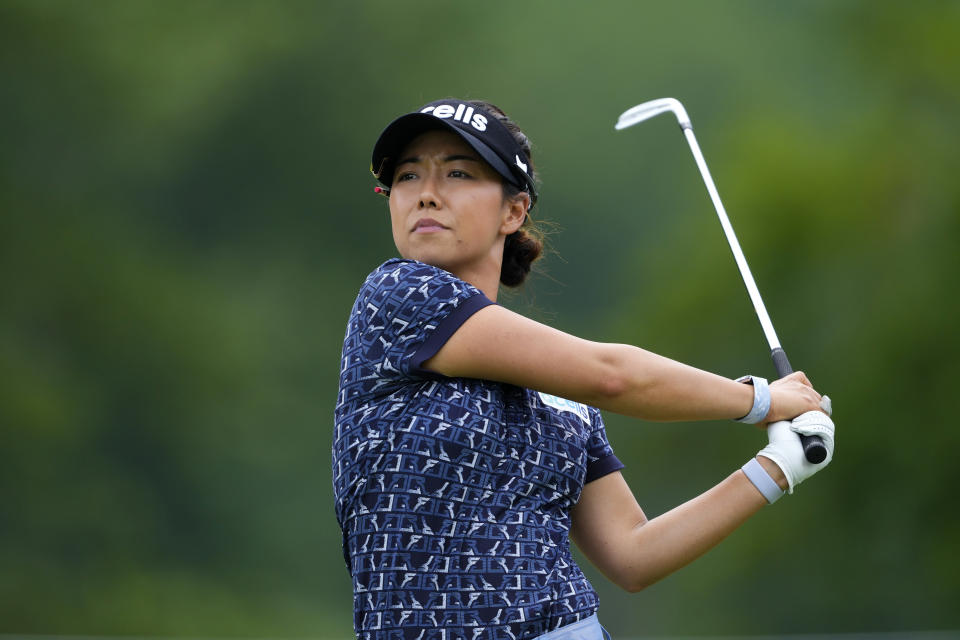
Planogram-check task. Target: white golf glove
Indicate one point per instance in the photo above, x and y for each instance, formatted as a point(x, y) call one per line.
point(787, 452)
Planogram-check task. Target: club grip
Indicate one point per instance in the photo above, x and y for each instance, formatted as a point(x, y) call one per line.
point(813, 447)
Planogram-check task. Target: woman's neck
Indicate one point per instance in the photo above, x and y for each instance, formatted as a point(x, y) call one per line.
point(486, 279)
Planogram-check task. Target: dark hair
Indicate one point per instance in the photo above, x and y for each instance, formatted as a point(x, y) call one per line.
point(524, 245)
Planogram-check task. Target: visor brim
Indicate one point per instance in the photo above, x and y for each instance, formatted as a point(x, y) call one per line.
point(404, 129)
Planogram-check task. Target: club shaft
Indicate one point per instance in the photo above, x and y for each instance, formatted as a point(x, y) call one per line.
point(813, 447)
point(745, 273)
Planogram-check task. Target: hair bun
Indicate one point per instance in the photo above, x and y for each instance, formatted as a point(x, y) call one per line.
point(519, 252)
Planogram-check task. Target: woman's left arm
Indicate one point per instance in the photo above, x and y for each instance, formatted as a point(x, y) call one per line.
point(611, 530)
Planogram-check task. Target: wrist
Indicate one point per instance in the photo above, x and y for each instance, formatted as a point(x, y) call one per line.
point(759, 477)
point(761, 399)
point(774, 471)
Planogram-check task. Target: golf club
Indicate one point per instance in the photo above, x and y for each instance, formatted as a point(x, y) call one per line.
point(813, 446)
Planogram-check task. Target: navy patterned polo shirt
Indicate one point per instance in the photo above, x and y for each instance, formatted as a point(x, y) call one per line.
point(453, 494)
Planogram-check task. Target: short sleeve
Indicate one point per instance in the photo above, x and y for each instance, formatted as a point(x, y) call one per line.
point(406, 311)
point(600, 457)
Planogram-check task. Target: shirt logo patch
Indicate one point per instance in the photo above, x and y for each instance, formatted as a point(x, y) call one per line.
point(562, 404)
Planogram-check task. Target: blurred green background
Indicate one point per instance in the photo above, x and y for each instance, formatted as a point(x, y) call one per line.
point(186, 214)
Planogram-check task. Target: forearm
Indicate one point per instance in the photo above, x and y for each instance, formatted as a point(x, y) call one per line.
point(497, 344)
point(648, 386)
point(670, 541)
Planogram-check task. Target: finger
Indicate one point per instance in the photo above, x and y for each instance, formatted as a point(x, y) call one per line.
point(801, 377)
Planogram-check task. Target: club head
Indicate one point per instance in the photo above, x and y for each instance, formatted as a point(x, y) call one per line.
point(653, 108)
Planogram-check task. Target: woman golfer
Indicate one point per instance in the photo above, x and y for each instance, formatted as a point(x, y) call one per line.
point(469, 448)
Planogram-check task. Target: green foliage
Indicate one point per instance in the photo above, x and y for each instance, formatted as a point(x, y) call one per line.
point(186, 215)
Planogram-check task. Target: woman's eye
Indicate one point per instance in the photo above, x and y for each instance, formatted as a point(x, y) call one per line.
point(403, 177)
point(458, 173)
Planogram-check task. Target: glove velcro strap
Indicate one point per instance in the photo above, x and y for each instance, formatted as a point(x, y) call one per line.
point(762, 481)
point(761, 399)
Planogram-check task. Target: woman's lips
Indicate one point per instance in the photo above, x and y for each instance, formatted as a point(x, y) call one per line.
point(427, 225)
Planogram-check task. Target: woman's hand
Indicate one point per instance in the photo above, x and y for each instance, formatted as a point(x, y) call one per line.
point(789, 397)
point(786, 451)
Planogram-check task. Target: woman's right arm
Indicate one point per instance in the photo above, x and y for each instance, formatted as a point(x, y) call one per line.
point(498, 344)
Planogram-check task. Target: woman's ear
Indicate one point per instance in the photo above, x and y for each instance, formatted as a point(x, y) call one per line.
point(516, 213)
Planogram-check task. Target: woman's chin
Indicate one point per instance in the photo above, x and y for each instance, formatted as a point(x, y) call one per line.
point(434, 258)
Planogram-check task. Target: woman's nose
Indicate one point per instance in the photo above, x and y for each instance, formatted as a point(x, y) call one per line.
point(428, 194)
